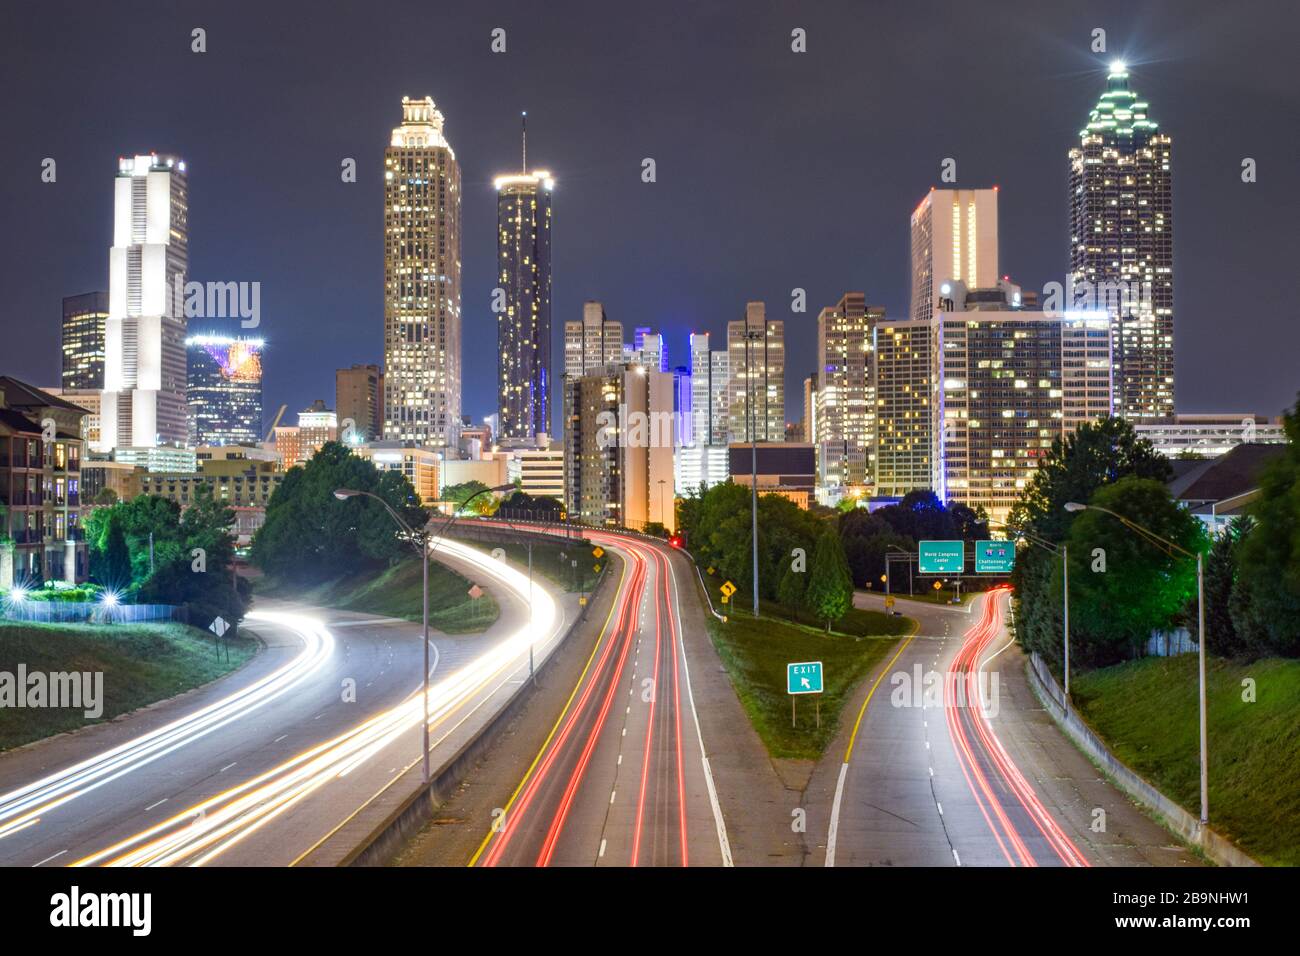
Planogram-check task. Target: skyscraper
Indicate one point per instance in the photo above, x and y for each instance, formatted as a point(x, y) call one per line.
point(82, 340)
point(224, 389)
point(845, 432)
point(709, 383)
point(524, 327)
point(756, 356)
point(954, 237)
point(904, 443)
point(422, 318)
point(1122, 243)
point(592, 342)
point(144, 335)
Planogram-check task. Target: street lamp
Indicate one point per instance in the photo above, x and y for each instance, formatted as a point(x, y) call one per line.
point(424, 542)
point(1168, 545)
point(751, 426)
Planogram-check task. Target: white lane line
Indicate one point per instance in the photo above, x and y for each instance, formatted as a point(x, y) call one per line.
point(602, 849)
point(955, 856)
point(611, 795)
point(158, 804)
point(723, 843)
point(940, 806)
point(48, 858)
point(227, 767)
point(278, 739)
point(835, 815)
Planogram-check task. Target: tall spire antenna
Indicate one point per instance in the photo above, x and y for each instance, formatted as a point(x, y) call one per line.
point(523, 125)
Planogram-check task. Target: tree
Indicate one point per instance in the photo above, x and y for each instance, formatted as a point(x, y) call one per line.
point(830, 588)
point(1265, 603)
point(1221, 635)
point(460, 494)
point(113, 567)
point(1141, 587)
point(792, 590)
point(1078, 464)
point(310, 536)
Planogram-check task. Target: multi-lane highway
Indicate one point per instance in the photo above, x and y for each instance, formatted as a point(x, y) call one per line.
point(950, 760)
point(259, 767)
point(623, 778)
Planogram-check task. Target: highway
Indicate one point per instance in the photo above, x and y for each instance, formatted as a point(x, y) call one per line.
point(950, 761)
point(623, 777)
point(259, 767)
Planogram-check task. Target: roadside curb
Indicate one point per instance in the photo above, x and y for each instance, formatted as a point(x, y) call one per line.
point(1183, 824)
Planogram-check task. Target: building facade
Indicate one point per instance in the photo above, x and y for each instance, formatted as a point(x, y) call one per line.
point(224, 389)
point(1122, 243)
point(422, 276)
point(144, 401)
point(296, 444)
point(954, 239)
point(844, 422)
point(82, 341)
point(524, 325)
point(756, 379)
point(904, 443)
point(359, 400)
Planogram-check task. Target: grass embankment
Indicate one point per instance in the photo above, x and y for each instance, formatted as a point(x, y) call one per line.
point(554, 562)
point(755, 654)
point(141, 664)
point(397, 591)
point(1146, 711)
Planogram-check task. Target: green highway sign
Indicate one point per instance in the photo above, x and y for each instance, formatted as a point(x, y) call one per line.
point(994, 557)
point(805, 678)
point(941, 557)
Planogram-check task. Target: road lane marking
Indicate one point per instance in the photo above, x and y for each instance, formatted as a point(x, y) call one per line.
point(152, 805)
point(48, 858)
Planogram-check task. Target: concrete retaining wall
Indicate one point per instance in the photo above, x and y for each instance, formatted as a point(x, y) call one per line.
point(1183, 824)
point(391, 835)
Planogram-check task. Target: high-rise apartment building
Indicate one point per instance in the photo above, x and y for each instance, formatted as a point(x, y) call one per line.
point(224, 389)
point(524, 327)
point(422, 317)
point(710, 381)
point(649, 350)
point(144, 401)
point(904, 443)
point(1122, 243)
point(359, 399)
point(756, 383)
point(1007, 383)
point(954, 238)
point(619, 447)
point(844, 422)
point(82, 340)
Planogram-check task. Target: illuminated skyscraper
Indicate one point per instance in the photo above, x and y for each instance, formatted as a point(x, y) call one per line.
point(524, 327)
point(82, 340)
point(144, 401)
point(1122, 243)
point(224, 390)
point(845, 413)
point(756, 360)
point(954, 237)
point(422, 318)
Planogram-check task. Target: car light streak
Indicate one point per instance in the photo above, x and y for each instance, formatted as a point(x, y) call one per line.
point(199, 834)
point(20, 807)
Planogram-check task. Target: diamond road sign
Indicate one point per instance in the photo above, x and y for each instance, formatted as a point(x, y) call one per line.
point(727, 588)
point(941, 557)
point(804, 678)
point(994, 557)
point(219, 627)
point(598, 551)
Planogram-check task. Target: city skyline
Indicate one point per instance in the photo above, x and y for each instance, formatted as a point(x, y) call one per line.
point(668, 293)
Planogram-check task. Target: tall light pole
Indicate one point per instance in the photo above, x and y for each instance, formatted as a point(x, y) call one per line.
point(423, 542)
point(1200, 634)
point(662, 482)
point(751, 422)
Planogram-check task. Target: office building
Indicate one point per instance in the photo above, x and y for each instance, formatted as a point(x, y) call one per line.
point(700, 465)
point(904, 443)
point(1209, 435)
point(1122, 243)
point(296, 444)
point(619, 448)
point(954, 239)
point(144, 402)
point(756, 385)
point(422, 467)
point(422, 295)
point(524, 327)
point(82, 341)
point(845, 414)
point(540, 471)
point(592, 342)
point(710, 385)
point(359, 403)
point(224, 389)
point(788, 469)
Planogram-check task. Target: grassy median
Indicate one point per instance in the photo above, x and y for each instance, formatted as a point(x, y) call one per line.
point(755, 653)
point(141, 664)
point(397, 591)
point(1147, 713)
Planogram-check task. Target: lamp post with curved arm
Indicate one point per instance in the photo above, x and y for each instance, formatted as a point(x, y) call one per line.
point(1169, 546)
point(423, 542)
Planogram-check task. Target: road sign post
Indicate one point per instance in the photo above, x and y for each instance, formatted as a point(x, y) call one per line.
point(804, 677)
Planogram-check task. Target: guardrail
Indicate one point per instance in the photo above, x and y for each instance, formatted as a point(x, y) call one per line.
point(90, 612)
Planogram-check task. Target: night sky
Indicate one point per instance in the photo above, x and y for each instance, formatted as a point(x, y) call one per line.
point(776, 170)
